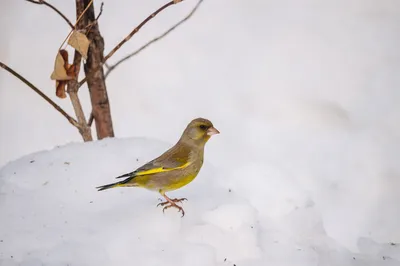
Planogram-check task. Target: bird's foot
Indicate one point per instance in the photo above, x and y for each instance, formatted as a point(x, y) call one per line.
point(171, 201)
point(169, 204)
point(179, 200)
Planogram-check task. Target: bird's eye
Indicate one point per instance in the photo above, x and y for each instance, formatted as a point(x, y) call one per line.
point(203, 127)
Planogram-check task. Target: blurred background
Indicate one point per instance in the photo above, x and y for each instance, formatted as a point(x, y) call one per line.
point(308, 87)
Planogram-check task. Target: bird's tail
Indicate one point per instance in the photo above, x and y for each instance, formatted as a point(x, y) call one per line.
point(118, 184)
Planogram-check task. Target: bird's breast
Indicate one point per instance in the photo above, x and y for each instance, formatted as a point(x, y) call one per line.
point(184, 176)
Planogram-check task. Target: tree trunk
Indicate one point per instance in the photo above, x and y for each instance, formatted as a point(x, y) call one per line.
point(95, 75)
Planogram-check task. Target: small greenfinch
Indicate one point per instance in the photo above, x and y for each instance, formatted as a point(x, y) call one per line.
point(175, 168)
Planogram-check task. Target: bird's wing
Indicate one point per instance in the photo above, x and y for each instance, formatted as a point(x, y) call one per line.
point(173, 159)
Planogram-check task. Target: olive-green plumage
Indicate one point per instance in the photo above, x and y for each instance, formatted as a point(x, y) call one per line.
point(176, 167)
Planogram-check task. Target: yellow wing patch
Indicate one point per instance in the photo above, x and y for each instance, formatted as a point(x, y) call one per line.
point(160, 170)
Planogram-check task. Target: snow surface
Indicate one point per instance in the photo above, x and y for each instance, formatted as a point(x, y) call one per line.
point(245, 214)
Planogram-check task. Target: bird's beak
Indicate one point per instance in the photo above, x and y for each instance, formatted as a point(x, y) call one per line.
point(212, 131)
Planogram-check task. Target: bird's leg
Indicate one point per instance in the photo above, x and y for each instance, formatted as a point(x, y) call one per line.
point(171, 200)
point(171, 203)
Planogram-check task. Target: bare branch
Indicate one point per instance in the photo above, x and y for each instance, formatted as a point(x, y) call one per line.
point(133, 32)
point(42, 2)
point(83, 12)
point(101, 11)
point(72, 90)
point(33, 87)
point(76, 23)
point(112, 67)
point(89, 27)
point(84, 129)
point(91, 118)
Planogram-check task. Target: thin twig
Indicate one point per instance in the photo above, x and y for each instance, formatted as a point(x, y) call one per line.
point(112, 67)
point(83, 12)
point(133, 32)
point(77, 21)
point(101, 11)
point(33, 87)
point(89, 27)
point(42, 2)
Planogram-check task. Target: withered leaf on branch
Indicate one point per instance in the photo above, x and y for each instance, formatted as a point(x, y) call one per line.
point(60, 84)
point(60, 89)
point(62, 73)
point(61, 66)
point(80, 42)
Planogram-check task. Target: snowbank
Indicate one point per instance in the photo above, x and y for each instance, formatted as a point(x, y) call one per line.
point(255, 214)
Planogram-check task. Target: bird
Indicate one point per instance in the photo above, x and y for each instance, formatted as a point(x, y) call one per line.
point(173, 169)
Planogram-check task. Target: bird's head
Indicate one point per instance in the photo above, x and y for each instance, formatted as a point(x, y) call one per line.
point(199, 131)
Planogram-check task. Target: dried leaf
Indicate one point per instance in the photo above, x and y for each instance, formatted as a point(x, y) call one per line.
point(60, 89)
point(62, 73)
point(61, 66)
point(71, 70)
point(64, 55)
point(80, 42)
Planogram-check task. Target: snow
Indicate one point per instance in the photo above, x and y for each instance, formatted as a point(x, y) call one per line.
point(251, 214)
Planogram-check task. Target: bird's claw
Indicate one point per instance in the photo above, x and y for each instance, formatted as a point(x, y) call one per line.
point(180, 209)
point(162, 203)
point(179, 200)
point(168, 205)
